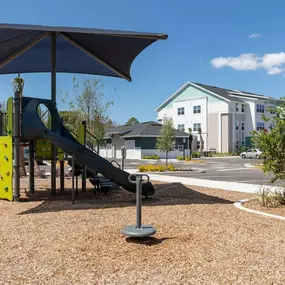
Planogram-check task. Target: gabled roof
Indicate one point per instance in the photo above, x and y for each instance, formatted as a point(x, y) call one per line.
point(146, 129)
point(228, 95)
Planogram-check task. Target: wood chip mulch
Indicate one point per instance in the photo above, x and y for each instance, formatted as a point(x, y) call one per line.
point(255, 205)
point(201, 239)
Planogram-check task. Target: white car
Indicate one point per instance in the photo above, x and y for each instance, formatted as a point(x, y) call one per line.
point(252, 153)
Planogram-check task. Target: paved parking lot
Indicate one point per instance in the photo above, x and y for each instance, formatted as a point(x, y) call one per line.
point(218, 169)
point(224, 169)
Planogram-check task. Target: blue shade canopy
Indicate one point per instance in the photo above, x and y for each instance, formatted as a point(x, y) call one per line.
point(27, 49)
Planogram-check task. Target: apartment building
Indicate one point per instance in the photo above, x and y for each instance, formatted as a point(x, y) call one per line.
point(225, 117)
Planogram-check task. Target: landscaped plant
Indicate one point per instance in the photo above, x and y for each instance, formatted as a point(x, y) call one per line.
point(165, 143)
point(223, 154)
point(196, 154)
point(271, 199)
point(155, 168)
point(179, 157)
point(272, 143)
point(154, 156)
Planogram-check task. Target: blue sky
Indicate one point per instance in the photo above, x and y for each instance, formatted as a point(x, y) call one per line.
point(232, 44)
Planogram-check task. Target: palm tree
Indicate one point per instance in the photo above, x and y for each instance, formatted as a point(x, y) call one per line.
point(190, 142)
point(201, 141)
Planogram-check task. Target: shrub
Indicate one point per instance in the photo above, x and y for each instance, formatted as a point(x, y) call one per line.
point(179, 157)
point(271, 199)
point(196, 154)
point(154, 168)
point(223, 154)
point(154, 156)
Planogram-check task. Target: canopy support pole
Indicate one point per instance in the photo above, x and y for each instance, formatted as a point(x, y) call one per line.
point(17, 140)
point(53, 98)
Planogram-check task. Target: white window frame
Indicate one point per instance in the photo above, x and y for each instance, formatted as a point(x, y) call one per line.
point(237, 107)
point(198, 127)
point(260, 108)
point(237, 125)
point(260, 126)
point(242, 126)
point(237, 144)
point(182, 130)
point(242, 108)
point(197, 109)
point(181, 111)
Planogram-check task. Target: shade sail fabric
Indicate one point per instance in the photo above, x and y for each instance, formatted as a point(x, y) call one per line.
point(27, 48)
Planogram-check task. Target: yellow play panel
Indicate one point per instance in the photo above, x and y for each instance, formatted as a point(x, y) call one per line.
point(6, 168)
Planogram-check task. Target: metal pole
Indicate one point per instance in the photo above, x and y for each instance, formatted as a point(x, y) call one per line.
point(73, 169)
point(61, 167)
point(17, 150)
point(139, 201)
point(76, 187)
point(32, 167)
point(84, 168)
point(53, 98)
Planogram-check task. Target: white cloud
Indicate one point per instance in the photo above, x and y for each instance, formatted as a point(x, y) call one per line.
point(252, 36)
point(273, 59)
point(273, 63)
point(245, 61)
point(275, 70)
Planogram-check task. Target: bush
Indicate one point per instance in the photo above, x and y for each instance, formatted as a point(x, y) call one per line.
point(271, 199)
point(196, 154)
point(223, 154)
point(156, 168)
point(154, 156)
point(179, 157)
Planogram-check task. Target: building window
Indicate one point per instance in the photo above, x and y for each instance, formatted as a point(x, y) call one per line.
point(196, 127)
point(159, 120)
point(242, 143)
point(242, 126)
point(181, 127)
point(197, 109)
point(237, 144)
point(260, 126)
point(237, 125)
point(259, 108)
point(198, 145)
point(237, 107)
point(242, 108)
point(180, 111)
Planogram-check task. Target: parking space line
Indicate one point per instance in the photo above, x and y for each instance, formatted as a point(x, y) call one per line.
point(231, 169)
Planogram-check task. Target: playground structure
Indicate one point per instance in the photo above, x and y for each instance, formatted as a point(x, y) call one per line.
point(39, 138)
point(68, 50)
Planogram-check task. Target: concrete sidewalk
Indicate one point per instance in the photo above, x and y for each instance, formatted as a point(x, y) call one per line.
point(229, 186)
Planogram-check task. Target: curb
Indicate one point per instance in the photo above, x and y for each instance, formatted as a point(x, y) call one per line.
point(238, 205)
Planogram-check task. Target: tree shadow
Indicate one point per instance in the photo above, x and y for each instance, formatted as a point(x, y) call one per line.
point(166, 194)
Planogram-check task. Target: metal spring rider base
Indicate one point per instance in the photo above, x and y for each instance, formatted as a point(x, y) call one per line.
point(138, 230)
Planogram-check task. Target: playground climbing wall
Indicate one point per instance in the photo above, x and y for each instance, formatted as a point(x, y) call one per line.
point(6, 168)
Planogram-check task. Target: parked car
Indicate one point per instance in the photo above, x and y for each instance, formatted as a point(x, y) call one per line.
point(252, 153)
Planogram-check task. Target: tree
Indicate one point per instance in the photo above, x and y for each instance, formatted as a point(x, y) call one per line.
point(166, 141)
point(201, 141)
point(272, 143)
point(87, 103)
point(190, 142)
point(131, 121)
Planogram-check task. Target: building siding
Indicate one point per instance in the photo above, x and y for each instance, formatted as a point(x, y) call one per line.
point(213, 131)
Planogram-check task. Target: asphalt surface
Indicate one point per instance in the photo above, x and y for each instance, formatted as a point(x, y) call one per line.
point(218, 169)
